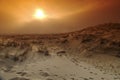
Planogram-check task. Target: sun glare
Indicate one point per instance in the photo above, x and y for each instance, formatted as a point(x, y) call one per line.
point(39, 14)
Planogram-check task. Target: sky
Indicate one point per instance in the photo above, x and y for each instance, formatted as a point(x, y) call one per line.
point(16, 16)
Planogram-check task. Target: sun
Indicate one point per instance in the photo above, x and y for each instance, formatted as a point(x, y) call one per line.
point(39, 14)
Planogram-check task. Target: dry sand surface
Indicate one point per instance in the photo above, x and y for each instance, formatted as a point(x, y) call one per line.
point(55, 68)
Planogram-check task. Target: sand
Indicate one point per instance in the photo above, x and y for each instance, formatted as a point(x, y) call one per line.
point(55, 68)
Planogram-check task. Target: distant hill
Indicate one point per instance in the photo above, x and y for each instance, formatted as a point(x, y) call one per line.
point(104, 38)
point(89, 42)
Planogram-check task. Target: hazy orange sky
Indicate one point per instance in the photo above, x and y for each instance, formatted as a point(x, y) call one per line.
point(16, 16)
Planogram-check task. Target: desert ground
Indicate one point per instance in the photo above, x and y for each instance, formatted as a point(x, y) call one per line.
point(89, 54)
